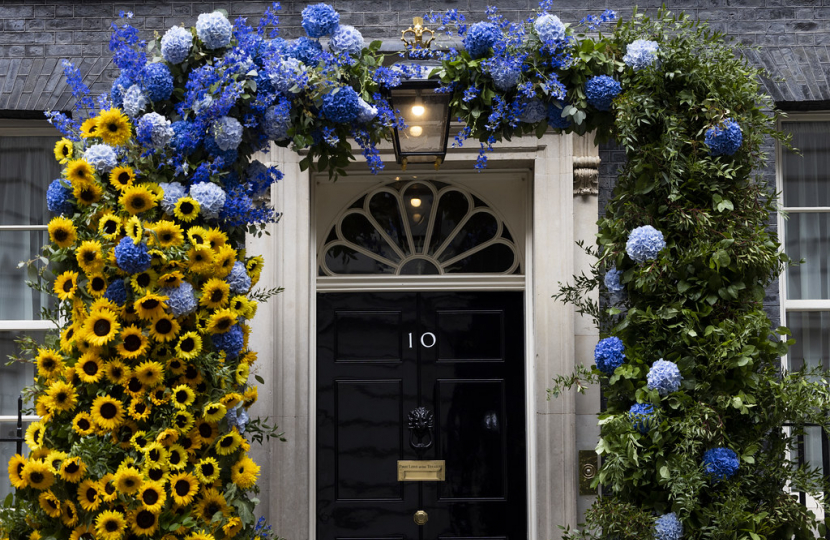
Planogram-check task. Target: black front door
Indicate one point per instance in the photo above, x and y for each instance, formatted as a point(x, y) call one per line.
point(458, 355)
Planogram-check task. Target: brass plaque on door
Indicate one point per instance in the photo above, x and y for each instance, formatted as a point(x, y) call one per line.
point(429, 470)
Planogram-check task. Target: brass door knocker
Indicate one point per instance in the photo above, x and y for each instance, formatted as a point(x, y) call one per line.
point(420, 426)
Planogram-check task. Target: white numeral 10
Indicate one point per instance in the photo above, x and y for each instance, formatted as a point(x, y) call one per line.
point(424, 340)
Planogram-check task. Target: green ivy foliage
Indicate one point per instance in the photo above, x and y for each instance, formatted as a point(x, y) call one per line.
point(699, 304)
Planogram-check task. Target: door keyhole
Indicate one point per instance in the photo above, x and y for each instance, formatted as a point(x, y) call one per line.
point(426, 336)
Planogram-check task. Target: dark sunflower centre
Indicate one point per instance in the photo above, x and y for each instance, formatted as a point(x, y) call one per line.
point(134, 385)
point(67, 285)
point(140, 408)
point(89, 256)
point(138, 202)
point(187, 345)
point(227, 442)
point(155, 474)
point(197, 239)
point(149, 304)
point(102, 327)
point(65, 151)
point(132, 343)
point(36, 477)
point(175, 364)
point(224, 324)
point(111, 525)
point(186, 208)
point(186, 442)
point(181, 396)
point(207, 470)
point(182, 488)
point(155, 455)
point(98, 283)
point(116, 373)
point(19, 470)
point(91, 368)
point(109, 488)
point(61, 397)
point(112, 126)
point(212, 410)
point(72, 468)
point(48, 364)
point(164, 326)
point(110, 226)
point(181, 421)
point(140, 442)
point(201, 387)
point(175, 458)
point(211, 509)
point(61, 235)
point(205, 430)
point(52, 503)
point(87, 195)
point(191, 372)
point(166, 237)
point(199, 257)
point(108, 411)
point(143, 280)
point(124, 178)
point(83, 423)
point(70, 334)
point(150, 497)
point(145, 519)
point(217, 296)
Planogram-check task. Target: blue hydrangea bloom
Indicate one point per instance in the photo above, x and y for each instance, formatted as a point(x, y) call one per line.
point(601, 91)
point(228, 156)
point(173, 191)
point(154, 130)
point(612, 280)
point(505, 74)
point(720, 463)
point(642, 416)
point(346, 40)
point(285, 74)
point(101, 156)
point(535, 111)
point(724, 140)
point(180, 300)
point(119, 88)
point(131, 257)
point(480, 38)
point(238, 418)
point(320, 20)
point(278, 120)
point(640, 53)
point(664, 376)
point(211, 198)
point(549, 28)
point(238, 279)
point(668, 527)
point(134, 101)
point(59, 198)
point(367, 112)
point(609, 354)
point(227, 132)
point(305, 50)
point(341, 105)
point(214, 29)
point(157, 81)
point(186, 137)
point(116, 292)
point(555, 119)
point(644, 244)
point(175, 45)
point(231, 341)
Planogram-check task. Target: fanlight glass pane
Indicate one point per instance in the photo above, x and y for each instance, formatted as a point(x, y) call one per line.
point(417, 200)
point(345, 260)
point(358, 230)
point(495, 258)
point(452, 207)
point(384, 208)
point(419, 267)
point(480, 228)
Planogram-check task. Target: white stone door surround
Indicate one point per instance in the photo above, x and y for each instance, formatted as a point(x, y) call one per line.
point(562, 171)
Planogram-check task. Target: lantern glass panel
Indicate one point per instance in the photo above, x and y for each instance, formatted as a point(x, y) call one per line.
point(425, 115)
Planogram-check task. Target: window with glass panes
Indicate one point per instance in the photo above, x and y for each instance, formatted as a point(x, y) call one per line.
point(804, 184)
point(27, 166)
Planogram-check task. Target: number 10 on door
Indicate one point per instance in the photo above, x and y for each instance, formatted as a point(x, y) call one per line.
point(428, 340)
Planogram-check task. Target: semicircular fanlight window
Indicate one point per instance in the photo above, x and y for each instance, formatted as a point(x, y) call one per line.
point(419, 228)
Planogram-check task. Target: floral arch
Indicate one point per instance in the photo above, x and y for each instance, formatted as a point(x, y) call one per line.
point(143, 392)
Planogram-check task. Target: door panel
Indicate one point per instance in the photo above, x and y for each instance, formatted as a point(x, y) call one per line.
point(459, 355)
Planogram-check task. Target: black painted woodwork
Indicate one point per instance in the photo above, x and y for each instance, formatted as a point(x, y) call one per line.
point(368, 381)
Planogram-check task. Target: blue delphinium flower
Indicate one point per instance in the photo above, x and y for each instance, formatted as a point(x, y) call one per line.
point(320, 20)
point(175, 45)
point(640, 53)
point(154, 130)
point(187, 137)
point(341, 105)
point(101, 156)
point(480, 38)
point(601, 91)
point(173, 191)
point(346, 40)
point(305, 50)
point(720, 463)
point(612, 280)
point(214, 29)
point(59, 198)
point(724, 140)
point(180, 300)
point(119, 88)
point(227, 132)
point(116, 292)
point(134, 101)
point(263, 531)
point(644, 244)
point(211, 198)
point(157, 82)
point(238, 279)
point(535, 111)
point(664, 376)
point(668, 527)
point(549, 28)
point(505, 72)
point(642, 416)
point(231, 341)
point(609, 354)
point(131, 257)
point(278, 119)
point(555, 119)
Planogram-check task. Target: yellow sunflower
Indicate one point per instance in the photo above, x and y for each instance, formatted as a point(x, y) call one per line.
point(177, 459)
point(89, 128)
point(164, 328)
point(220, 321)
point(156, 473)
point(122, 177)
point(134, 229)
point(97, 285)
point(215, 293)
point(242, 372)
point(63, 150)
point(224, 260)
point(73, 470)
point(15, 468)
point(127, 480)
point(68, 338)
point(109, 226)
point(101, 327)
point(49, 363)
point(216, 238)
point(62, 395)
point(90, 367)
point(82, 424)
point(207, 470)
point(183, 487)
point(168, 234)
point(231, 399)
point(134, 387)
point(150, 373)
point(107, 412)
point(133, 342)
point(116, 371)
point(200, 259)
point(138, 410)
point(35, 434)
point(152, 495)
point(159, 396)
point(113, 127)
point(69, 514)
point(136, 199)
point(186, 209)
point(190, 442)
point(89, 495)
point(143, 282)
point(182, 421)
point(50, 504)
point(228, 443)
point(62, 231)
point(66, 285)
point(210, 503)
point(150, 306)
point(171, 279)
point(254, 267)
point(37, 474)
point(90, 256)
point(198, 236)
point(214, 412)
point(189, 345)
point(87, 192)
point(79, 171)
point(250, 397)
point(143, 521)
point(106, 488)
point(232, 527)
point(110, 525)
point(182, 397)
point(199, 535)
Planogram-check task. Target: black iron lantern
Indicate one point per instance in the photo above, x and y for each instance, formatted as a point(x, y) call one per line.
point(425, 112)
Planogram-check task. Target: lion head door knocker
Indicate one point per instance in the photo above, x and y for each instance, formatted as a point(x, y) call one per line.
point(420, 427)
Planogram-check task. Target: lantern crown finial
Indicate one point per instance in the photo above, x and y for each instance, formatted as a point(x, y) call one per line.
point(413, 36)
